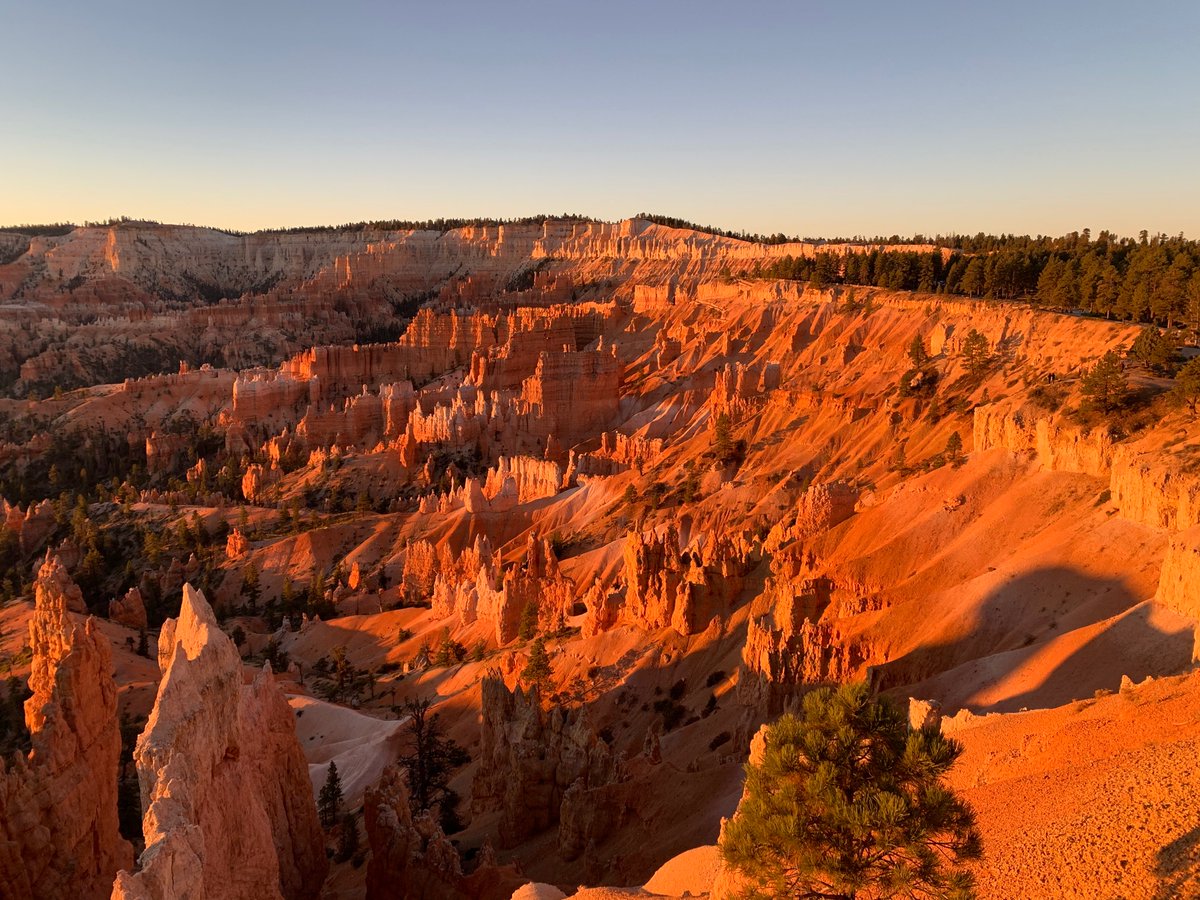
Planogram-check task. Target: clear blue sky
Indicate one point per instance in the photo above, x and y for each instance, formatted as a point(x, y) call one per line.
point(802, 117)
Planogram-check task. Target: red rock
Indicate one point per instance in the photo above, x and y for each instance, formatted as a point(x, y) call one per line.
point(541, 766)
point(58, 807)
point(410, 856)
point(129, 610)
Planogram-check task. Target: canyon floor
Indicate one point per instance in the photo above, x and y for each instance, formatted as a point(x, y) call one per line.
point(400, 466)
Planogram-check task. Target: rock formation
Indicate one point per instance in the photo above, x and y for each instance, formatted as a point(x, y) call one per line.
point(410, 856)
point(683, 589)
point(1178, 585)
point(794, 638)
point(544, 767)
point(129, 610)
point(54, 584)
point(58, 806)
point(228, 805)
point(728, 883)
point(471, 589)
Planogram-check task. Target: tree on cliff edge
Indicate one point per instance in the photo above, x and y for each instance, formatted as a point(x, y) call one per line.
point(1103, 386)
point(848, 802)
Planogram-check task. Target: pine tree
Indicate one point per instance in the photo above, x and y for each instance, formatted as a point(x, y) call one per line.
point(528, 625)
point(537, 670)
point(1187, 384)
point(975, 353)
point(349, 839)
point(430, 757)
point(329, 803)
point(848, 802)
point(1154, 350)
point(954, 446)
point(441, 658)
point(722, 436)
point(1047, 285)
point(973, 278)
point(918, 353)
point(1103, 386)
point(251, 589)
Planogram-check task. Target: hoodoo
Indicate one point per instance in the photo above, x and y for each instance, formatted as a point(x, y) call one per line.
point(229, 812)
point(60, 801)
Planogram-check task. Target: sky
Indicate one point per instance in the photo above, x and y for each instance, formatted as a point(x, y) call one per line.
point(810, 118)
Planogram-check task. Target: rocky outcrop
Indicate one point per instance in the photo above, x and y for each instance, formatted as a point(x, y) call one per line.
point(1179, 582)
point(1155, 489)
point(54, 585)
point(421, 566)
point(129, 610)
point(165, 450)
point(1148, 486)
point(795, 636)
point(738, 389)
point(575, 395)
point(729, 884)
point(602, 609)
point(533, 478)
point(410, 856)
point(618, 453)
point(541, 767)
point(228, 805)
point(31, 526)
point(58, 806)
point(236, 545)
point(473, 588)
point(683, 589)
point(1057, 447)
point(819, 508)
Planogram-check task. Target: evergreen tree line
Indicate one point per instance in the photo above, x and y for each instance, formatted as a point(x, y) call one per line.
point(1150, 279)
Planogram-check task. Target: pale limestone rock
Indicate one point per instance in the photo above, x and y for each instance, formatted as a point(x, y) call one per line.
point(228, 806)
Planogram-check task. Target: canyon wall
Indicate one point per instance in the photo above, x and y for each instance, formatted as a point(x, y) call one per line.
point(1148, 485)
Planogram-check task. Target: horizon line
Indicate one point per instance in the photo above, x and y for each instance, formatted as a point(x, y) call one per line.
point(27, 228)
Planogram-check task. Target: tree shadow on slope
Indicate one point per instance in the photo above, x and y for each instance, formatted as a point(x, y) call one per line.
point(1177, 866)
point(1026, 625)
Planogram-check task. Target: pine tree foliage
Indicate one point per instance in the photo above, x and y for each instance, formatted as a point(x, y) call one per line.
point(1104, 386)
point(329, 802)
point(1154, 349)
point(430, 756)
point(954, 447)
point(537, 670)
point(527, 627)
point(918, 352)
point(976, 353)
point(1187, 384)
point(848, 803)
point(349, 839)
